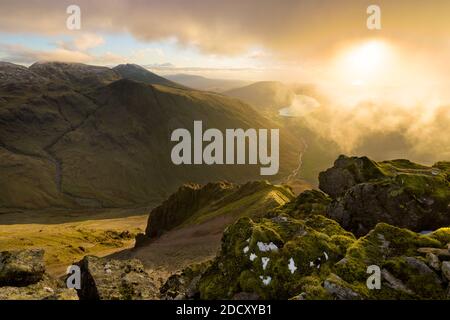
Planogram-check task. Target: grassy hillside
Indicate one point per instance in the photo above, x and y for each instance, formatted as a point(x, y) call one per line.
point(108, 145)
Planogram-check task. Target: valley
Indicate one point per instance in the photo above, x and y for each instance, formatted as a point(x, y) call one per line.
point(67, 236)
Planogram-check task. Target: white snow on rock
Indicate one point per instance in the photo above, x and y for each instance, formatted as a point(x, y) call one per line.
point(311, 264)
point(263, 247)
point(326, 255)
point(265, 280)
point(253, 256)
point(246, 249)
point(264, 261)
point(292, 266)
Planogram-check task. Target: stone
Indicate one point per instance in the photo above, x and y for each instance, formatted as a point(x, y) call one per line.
point(433, 261)
point(442, 254)
point(395, 283)
point(398, 192)
point(46, 289)
point(338, 289)
point(21, 268)
point(105, 279)
point(446, 270)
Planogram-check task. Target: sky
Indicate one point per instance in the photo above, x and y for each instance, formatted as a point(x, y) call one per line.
point(251, 39)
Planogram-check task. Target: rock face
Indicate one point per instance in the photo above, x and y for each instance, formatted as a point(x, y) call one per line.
point(193, 202)
point(346, 173)
point(22, 277)
point(104, 279)
point(182, 204)
point(397, 192)
point(21, 268)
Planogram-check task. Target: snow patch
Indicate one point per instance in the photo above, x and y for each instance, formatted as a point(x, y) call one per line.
point(246, 249)
point(253, 256)
point(263, 247)
point(292, 266)
point(264, 261)
point(326, 255)
point(265, 280)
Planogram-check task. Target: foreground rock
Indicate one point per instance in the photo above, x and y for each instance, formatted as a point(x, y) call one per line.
point(46, 289)
point(21, 268)
point(296, 252)
point(22, 277)
point(105, 279)
point(399, 192)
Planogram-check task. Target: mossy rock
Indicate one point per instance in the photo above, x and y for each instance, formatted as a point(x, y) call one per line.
point(398, 192)
point(310, 202)
point(272, 256)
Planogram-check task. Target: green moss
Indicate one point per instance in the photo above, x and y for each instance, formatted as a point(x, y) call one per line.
point(442, 235)
point(425, 285)
point(312, 289)
point(382, 243)
point(327, 226)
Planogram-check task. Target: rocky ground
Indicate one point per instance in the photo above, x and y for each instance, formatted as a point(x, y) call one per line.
point(393, 216)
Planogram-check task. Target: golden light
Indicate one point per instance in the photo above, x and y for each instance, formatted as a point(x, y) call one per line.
point(363, 63)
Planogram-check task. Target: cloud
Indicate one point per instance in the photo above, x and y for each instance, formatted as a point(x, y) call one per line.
point(24, 55)
point(290, 27)
point(88, 41)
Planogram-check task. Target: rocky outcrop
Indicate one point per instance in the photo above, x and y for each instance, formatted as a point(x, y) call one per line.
point(107, 279)
point(184, 285)
point(346, 173)
point(396, 192)
point(274, 258)
point(21, 268)
point(183, 204)
point(22, 277)
point(193, 203)
point(296, 252)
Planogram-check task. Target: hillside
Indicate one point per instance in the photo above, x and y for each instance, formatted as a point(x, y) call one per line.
point(266, 95)
point(64, 144)
point(138, 73)
point(206, 84)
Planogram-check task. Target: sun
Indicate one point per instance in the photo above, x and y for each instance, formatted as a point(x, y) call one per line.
point(363, 63)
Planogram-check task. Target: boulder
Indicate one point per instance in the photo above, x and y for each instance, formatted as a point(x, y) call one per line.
point(106, 279)
point(446, 270)
point(21, 268)
point(46, 289)
point(184, 285)
point(433, 261)
point(275, 258)
point(340, 290)
point(346, 173)
point(397, 192)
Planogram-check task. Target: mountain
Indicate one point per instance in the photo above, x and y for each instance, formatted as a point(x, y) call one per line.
point(206, 84)
point(266, 95)
point(138, 73)
point(67, 144)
